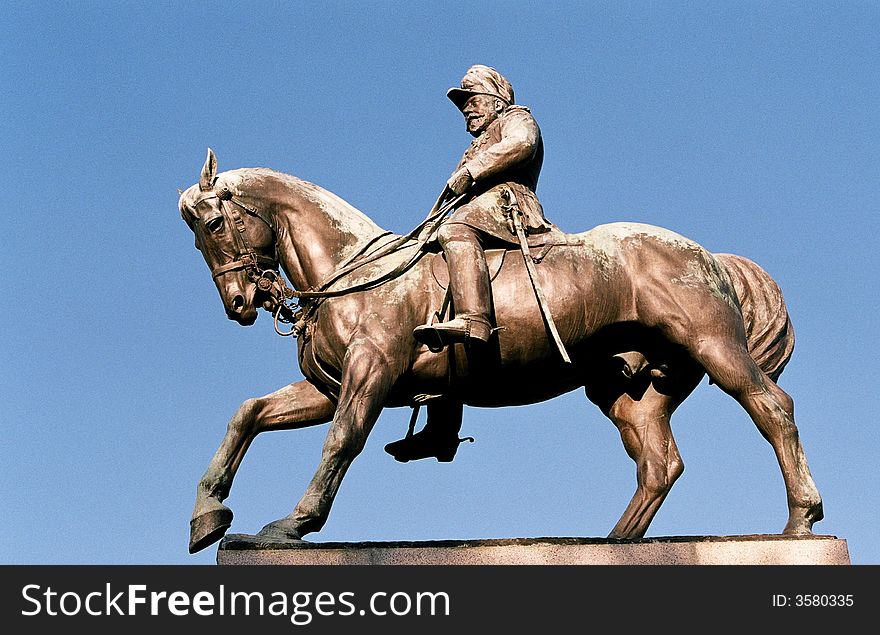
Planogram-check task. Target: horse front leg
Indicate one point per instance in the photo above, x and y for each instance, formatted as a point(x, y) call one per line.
point(366, 380)
point(298, 405)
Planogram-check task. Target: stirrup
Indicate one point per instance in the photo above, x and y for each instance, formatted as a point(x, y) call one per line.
point(428, 336)
point(460, 329)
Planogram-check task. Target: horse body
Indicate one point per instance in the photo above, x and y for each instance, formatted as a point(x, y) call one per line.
point(608, 276)
point(643, 312)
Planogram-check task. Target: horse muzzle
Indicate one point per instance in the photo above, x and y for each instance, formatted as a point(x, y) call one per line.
point(239, 305)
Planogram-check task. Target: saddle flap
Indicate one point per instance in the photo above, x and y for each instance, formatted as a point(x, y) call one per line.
point(494, 260)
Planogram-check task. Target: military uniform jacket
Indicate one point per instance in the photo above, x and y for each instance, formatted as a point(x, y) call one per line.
point(508, 153)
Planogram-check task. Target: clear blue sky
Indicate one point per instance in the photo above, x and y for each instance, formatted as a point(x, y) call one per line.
point(750, 127)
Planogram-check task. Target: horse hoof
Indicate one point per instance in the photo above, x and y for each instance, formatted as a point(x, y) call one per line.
point(208, 528)
point(280, 530)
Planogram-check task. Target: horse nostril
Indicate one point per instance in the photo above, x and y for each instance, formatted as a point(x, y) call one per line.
point(237, 303)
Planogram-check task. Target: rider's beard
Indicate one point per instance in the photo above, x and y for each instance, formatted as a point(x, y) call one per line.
point(477, 122)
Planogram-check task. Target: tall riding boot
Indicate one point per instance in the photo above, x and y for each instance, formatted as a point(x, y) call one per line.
point(438, 439)
point(469, 284)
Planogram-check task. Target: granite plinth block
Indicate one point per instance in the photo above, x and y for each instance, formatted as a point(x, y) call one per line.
point(765, 549)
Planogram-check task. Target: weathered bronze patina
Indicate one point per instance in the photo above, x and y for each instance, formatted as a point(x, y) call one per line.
point(643, 312)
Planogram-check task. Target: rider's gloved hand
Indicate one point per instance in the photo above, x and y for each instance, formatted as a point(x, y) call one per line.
point(460, 182)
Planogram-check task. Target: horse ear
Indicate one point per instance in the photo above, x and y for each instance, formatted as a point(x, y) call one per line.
point(209, 172)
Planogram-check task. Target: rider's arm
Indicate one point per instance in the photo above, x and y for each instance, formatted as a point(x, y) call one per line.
point(519, 140)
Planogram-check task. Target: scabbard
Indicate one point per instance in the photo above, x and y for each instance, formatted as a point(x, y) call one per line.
point(533, 277)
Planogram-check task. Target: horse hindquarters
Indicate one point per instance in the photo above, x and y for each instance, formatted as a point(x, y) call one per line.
point(726, 341)
point(770, 339)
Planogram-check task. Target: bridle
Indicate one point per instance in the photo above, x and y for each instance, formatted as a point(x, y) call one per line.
point(261, 270)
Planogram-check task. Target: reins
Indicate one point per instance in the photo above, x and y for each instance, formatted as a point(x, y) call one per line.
point(434, 218)
point(422, 232)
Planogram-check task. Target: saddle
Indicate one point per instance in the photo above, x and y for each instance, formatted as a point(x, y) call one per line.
point(539, 244)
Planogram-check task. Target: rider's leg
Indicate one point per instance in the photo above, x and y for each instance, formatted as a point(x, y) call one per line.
point(438, 439)
point(469, 285)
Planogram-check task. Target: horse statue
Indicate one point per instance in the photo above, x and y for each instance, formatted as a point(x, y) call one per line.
point(643, 312)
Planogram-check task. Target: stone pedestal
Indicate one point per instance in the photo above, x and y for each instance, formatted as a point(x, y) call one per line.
point(242, 549)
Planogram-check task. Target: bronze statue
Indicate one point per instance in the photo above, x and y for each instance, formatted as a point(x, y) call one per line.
point(643, 312)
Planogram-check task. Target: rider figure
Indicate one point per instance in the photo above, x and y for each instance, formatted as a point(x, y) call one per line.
point(503, 160)
point(505, 157)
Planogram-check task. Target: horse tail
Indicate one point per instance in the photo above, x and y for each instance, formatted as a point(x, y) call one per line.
point(768, 326)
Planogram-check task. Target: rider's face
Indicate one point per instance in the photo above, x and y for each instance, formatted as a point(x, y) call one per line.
point(479, 111)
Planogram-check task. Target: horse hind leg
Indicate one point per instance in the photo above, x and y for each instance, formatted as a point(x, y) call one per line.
point(772, 410)
point(643, 422)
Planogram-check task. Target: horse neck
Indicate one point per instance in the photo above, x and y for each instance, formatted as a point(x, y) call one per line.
point(316, 231)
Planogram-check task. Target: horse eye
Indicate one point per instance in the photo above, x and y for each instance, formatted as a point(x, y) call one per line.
point(214, 224)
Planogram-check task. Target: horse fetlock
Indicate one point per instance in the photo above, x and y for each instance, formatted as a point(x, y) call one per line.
point(817, 512)
point(674, 470)
point(813, 511)
point(214, 487)
point(802, 518)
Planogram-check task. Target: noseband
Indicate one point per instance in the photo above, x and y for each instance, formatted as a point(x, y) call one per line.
point(261, 270)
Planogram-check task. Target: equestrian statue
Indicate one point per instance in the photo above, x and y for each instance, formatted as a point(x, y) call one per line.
point(485, 303)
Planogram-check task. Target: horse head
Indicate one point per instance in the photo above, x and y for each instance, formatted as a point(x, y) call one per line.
point(240, 253)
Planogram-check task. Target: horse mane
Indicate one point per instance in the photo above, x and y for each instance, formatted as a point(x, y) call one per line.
point(358, 222)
